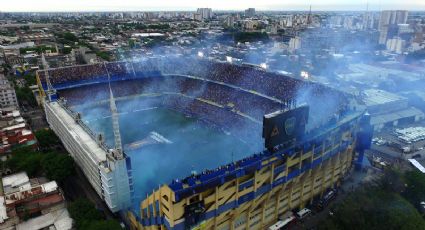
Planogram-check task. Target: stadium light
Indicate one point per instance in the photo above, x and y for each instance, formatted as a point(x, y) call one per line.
point(305, 75)
point(263, 65)
point(229, 59)
point(200, 54)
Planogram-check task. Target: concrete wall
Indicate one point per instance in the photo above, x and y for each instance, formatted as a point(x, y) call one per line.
point(108, 176)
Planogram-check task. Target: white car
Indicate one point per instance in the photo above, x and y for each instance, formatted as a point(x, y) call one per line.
point(303, 213)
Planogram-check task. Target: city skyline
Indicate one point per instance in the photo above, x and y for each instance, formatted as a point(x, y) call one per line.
point(221, 115)
point(190, 5)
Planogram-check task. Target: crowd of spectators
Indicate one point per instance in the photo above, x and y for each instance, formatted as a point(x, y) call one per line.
point(230, 98)
point(73, 73)
point(235, 87)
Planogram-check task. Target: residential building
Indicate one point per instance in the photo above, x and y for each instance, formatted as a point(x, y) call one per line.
point(7, 94)
point(206, 13)
point(39, 200)
point(250, 12)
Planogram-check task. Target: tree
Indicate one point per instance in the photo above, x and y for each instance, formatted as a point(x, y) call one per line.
point(415, 187)
point(25, 159)
point(57, 166)
point(251, 36)
point(392, 181)
point(103, 55)
point(70, 37)
point(83, 212)
point(374, 208)
point(25, 95)
point(37, 49)
point(88, 218)
point(66, 50)
point(47, 138)
point(104, 225)
point(30, 79)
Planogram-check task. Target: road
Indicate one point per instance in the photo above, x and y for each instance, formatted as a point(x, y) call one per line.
point(356, 179)
point(36, 118)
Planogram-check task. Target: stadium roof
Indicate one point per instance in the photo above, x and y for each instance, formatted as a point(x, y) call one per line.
point(98, 154)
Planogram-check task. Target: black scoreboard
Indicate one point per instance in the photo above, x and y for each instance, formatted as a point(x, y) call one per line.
point(284, 126)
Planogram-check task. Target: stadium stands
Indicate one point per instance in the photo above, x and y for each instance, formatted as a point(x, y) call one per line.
point(232, 86)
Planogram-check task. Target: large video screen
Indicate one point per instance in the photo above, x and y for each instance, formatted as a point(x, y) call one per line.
point(284, 126)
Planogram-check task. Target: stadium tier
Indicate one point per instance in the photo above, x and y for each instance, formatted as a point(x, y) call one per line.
point(249, 192)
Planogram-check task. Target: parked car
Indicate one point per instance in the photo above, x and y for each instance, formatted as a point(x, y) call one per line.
point(303, 213)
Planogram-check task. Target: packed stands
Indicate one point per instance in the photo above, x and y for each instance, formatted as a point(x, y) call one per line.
point(242, 101)
point(246, 77)
point(239, 88)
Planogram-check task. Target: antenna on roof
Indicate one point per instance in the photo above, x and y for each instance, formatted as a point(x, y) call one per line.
point(309, 17)
point(118, 153)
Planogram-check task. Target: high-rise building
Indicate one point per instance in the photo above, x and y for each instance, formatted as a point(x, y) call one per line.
point(401, 16)
point(250, 12)
point(395, 45)
point(230, 21)
point(206, 13)
point(197, 17)
point(294, 44)
point(368, 21)
point(384, 19)
point(389, 18)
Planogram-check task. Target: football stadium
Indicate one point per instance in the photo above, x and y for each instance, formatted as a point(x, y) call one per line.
point(179, 142)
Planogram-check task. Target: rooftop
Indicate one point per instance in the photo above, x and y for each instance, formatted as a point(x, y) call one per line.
point(377, 97)
point(97, 153)
point(56, 220)
point(396, 115)
point(411, 134)
point(3, 212)
point(16, 182)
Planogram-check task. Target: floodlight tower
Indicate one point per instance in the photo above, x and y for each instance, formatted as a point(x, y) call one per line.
point(118, 152)
point(50, 90)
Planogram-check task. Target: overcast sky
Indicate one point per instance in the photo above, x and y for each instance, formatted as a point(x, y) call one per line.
point(156, 5)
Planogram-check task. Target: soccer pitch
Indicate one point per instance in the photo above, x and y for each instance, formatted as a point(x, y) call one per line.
point(189, 144)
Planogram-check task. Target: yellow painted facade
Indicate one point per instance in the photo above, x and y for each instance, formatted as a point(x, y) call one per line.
point(263, 210)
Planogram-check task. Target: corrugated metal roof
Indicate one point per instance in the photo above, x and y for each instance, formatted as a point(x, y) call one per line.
point(393, 116)
point(15, 179)
point(376, 97)
point(49, 186)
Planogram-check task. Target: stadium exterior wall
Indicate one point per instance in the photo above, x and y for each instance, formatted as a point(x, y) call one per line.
point(110, 177)
point(257, 196)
